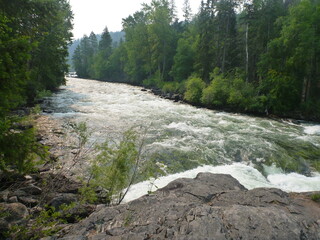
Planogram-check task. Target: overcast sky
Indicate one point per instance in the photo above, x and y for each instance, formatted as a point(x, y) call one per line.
point(94, 15)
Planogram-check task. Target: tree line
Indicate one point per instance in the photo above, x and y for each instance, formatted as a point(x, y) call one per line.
point(255, 56)
point(34, 38)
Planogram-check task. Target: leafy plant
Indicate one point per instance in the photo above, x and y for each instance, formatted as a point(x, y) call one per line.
point(46, 223)
point(194, 87)
point(115, 168)
point(19, 149)
point(316, 197)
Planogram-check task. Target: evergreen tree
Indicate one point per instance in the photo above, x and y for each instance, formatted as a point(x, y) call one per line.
point(187, 12)
point(290, 69)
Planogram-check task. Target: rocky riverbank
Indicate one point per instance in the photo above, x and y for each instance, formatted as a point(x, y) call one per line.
point(211, 206)
point(24, 198)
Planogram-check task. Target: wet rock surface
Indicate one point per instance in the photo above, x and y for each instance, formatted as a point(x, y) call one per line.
point(211, 206)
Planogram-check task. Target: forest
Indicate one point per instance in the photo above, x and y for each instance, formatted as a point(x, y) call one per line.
point(259, 56)
point(34, 40)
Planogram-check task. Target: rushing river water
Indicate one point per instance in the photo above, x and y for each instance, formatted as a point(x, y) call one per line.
point(188, 140)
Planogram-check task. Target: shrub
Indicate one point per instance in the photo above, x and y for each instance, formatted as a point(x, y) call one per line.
point(316, 197)
point(194, 88)
point(170, 87)
point(217, 93)
point(45, 223)
point(115, 168)
point(154, 81)
point(19, 149)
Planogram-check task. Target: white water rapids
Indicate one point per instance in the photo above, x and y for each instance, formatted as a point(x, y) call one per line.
point(188, 140)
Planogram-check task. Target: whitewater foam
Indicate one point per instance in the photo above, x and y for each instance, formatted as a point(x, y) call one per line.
point(247, 175)
point(312, 130)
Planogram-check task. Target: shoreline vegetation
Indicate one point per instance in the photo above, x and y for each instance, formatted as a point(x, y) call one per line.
point(258, 57)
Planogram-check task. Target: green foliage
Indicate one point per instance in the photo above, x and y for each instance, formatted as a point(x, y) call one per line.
point(282, 96)
point(217, 93)
point(289, 68)
point(233, 91)
point(194, 87)
point(316, 197)
point(43, 94)
point(44, 224)
point(154, 81)
point(311, 108)
point(183, 60)
point(170, 87)
point(19, 149)
point(115, 168)
point(14, 74)
point(33, 47)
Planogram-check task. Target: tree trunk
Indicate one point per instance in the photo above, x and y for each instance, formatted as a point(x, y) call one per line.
point(304, 90)
point(247, 53)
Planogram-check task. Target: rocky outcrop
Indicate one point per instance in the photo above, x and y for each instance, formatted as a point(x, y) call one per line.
point(211, 206)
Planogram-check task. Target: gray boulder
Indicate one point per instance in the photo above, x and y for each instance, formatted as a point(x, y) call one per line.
point(211, 206)
point(12, 214)
point(63, 199)
point(32, 190)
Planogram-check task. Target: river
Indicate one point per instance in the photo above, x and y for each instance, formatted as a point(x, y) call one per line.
point(259, 152)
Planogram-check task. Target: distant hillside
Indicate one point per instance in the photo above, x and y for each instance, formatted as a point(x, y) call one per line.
point(116, 37)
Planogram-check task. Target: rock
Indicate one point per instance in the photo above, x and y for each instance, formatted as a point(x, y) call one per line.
point(29, 201)
point(44, 167)
point(156, 91)
point(28, 177)
point(13, 199)
point(12, 214)
point(18, 193)
point(211, 206)
point(32, 190)
point(237, 156)
point(176, 97)
point(4, 196)
point(65, 198)
point(60, 183)
point(78, 212)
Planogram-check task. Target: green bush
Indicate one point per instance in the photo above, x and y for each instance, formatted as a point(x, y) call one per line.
point(153, 81)
point(43, 224)
point(316, 197)
point(114, 169)
point(19, 149)
point(217, 93)
point(194, 88)
point(311, 108)
point(170, 87)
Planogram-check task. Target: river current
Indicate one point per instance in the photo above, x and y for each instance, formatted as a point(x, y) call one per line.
point(259, 152)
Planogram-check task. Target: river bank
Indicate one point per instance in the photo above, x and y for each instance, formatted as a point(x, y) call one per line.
point(31, 205)
point(53, 130)
point(295, 117)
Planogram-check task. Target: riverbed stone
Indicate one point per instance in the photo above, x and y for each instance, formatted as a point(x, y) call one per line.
point(211, 206)
point(32, 190)
point(4, 195)
point(29, 201)
point(13, 199)
point(63, 199)
point(12, 214)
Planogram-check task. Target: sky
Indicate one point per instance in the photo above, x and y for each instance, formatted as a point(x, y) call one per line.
point(95, 15)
